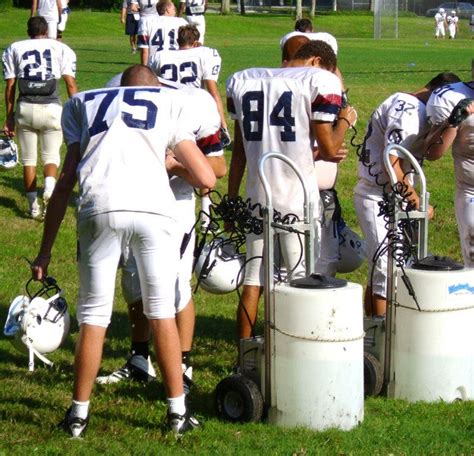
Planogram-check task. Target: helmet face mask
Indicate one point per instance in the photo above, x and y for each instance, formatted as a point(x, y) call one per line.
point(219, 267)
point(38, 323)
point(8, 153)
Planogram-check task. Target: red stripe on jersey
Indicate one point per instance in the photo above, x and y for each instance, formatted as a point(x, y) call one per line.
point(143, 39)
point(329, 104)
point(211, 143)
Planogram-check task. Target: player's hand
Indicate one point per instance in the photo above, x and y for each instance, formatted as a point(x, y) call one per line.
point(431, 212)
point(226, 140)
point(9, 128)
point(39, 267)
point(341, 154)
point(350, 114)
point(171, 163)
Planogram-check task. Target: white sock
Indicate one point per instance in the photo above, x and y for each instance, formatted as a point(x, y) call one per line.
point(32, 197)
point(49, 184)
point(80, 409)
point(177, 405)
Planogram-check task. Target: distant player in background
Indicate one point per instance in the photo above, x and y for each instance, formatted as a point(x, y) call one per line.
point(159, 33)
point(147, 8)
point(440, 23)
point(283, 110)
point(64, 17)
point(35, 66)
point(194, 65)
point(51, 11)
point(195, 10)
point(450, 112)
point(400, 119)
point(130, 17)
point(453, 27)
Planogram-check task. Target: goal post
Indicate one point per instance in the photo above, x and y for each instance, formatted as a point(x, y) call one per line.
point(385, 19)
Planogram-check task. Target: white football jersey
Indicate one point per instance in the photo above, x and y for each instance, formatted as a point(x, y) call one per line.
point(148, 7)
point(439, 108)
point(38, 60)
point(48, 9)
point(187, 66)
point(123, 135)
point(313, 36)
point(440, 18)
point(274, 108)
point(159, 33)
point(452, 20)
point(194, 7)
point(400, 119)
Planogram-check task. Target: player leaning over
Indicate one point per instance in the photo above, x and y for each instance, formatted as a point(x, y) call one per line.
point(35, 65)
point(117, 155)
point(283, 110)
point(450, 112)
point(159, 33)
point(400, 119)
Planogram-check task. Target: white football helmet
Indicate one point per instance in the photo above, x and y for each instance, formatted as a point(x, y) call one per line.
point(441, 10)
point(352, 249)
point(219, 267)
point(38, 323)
point(8, 153)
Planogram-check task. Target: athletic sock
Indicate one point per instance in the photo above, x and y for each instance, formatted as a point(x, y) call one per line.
point(49, 184)
point(177, 404)
point(31, 197)
point(79, 409)
point(140, 348)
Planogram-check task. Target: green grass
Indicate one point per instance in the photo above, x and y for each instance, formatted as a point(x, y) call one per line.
point(127, 419)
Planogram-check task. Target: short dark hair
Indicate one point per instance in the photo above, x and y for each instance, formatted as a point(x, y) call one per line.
point(318, 48)
point(138, 75)
point(161, 6)
point(37, 26)
point(188, 35)
point(292, 45)
point(442, 79)
point(303, 25)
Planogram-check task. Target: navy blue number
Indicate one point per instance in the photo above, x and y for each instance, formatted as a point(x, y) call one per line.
point(252, 110)
point(157, 40)
point(99, 124)
point(34, 66)
point(442, 90)
point(281, 117)
point(151, 111)
point(193, 67)
point(172, 74)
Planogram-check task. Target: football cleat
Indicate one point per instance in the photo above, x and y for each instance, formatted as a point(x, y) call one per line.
point(187, 379)
point(35, 211)
point(179, 424)
point(74, 426)
point(136, 368)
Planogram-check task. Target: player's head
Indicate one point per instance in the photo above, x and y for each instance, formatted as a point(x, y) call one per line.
point(303, 25)
point(441, 80)
point(453, 13)
point(315, 53)
point(139, 75)
point(166, 8)
point(37, 26)
point(292, 45)
point(441, 10)
point(188, 36)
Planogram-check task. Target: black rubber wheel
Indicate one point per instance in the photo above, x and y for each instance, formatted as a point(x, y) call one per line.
point(238, 399)
point(373, 375)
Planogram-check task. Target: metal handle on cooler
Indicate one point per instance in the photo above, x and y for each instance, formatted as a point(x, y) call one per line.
point(268, 254)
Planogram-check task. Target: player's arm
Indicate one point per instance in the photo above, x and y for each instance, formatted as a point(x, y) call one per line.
point(9, 125)
point(238, 163)
point(56, 210)
point(330, 137)
point(34, 7)
point(123, 13)
point(211, 87)
point(439, 140)
point(60, 9)
point(71, 85)
point(144, 55)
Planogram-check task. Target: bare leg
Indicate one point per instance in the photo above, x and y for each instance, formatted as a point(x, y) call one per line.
point(247, 310)
point(87, 360)
point(168, 355)
point(185, 321)
point(29, 178)
point(375, 305)
point(50, 170)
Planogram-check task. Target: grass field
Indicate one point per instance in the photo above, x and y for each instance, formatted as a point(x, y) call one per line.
point(127, 418)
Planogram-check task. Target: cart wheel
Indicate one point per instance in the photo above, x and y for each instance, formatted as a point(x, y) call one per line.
point(238, 399)
point(373, 375)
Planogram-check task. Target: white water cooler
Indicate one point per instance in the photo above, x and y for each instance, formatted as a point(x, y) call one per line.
point(433, 345)
point(317, 354)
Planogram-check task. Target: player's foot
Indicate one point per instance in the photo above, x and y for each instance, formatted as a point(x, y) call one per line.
point(35, 211)
point(74, 426)
point(134, 50)
point(136, 368)
point(179, 424)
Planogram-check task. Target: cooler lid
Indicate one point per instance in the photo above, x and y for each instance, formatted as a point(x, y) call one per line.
point(437, 263)
point(318, 281)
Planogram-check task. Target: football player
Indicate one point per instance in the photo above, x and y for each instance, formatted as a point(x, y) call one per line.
point(195, 10)
point(450, 112)
point(35, 66)
point(440, 23)
point(159, 33)
point(283, 110)
point(117, 154)
point(130, 17)
point(452, 21)
point(64, 17)
point(147, 8)
point(197, 66)
point(400, 119)
point(51, 11)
